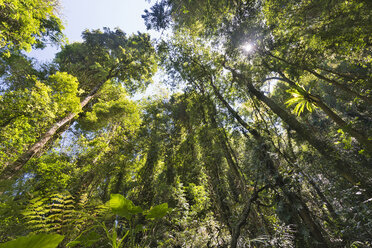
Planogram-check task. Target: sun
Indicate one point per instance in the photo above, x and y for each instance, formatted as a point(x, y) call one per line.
point(248, 47)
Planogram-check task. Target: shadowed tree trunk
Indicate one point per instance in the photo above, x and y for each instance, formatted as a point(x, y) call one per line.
point(342, 166)
point(361, 137)
point(243, 217)
point(328, 80)
point(146, 194)
point(292, 197)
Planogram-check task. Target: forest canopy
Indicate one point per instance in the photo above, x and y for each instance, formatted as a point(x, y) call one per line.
point(264, 138)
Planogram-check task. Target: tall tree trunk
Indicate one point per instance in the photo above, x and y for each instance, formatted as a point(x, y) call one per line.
point(13, 169)
point(243, 217)
point(328, 80)
point(146, 194)
point(291, 159)
point(294, 198)
point(307, 218)
point(234, 167)
point(361, 137)
point(324, 199)
point(303, 212)
point(342, 166)
point(213, 163)
point(118, 184)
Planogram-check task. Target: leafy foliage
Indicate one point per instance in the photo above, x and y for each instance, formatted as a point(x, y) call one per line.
point(26, 113)
point(52, 214)
point(26, 23)
point(215, 159)
point(123, 207)
point(35, 241)
point(157, 212)
point(300, 101)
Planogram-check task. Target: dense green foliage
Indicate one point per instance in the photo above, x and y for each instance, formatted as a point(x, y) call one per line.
point(27, 23)
point(263, 140)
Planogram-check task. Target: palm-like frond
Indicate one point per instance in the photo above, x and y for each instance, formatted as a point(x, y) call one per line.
point(301, 102)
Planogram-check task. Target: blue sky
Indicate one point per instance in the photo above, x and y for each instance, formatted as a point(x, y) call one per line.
point(79, 15)
point(93, 14)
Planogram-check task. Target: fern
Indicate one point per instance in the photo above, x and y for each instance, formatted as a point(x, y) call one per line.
point(35, 215)
point(55, 213)
point(301, 102)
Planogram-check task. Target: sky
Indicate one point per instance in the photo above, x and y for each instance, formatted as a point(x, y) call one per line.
point(78, 15)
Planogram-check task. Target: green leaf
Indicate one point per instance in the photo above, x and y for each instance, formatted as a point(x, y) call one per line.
point(86, 240)
point(300, 101)
point(73, 243)
point(123, 207)
point(158, 211)
point(42, 240)
point(139, 228)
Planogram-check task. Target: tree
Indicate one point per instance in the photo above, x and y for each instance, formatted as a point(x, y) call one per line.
point(258, 144)
point(116, 58)
point(301, 48)
point(28, 23)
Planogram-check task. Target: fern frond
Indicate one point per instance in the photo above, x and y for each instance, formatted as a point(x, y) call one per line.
point(300, 101)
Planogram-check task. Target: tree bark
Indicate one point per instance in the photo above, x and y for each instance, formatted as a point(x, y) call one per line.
point(360, 137)
point(229, 158)
point(146, 194)
point(13, 169)
point(243, 217)
point(328, 80)
point(213, 164)
point(303, 212)
point(342, 166)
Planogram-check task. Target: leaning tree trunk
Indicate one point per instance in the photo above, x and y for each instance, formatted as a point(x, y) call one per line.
point(11, 170)
point(304, 212)
point(234, 167)
point(295, 199)
point(243, 217)
point(342, 166)
point(361, 137)
point(328, 80)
